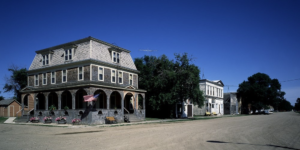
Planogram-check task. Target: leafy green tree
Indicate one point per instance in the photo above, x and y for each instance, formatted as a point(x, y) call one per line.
point(168, 82)
point(297, 104)
point(16, 81)
point(285, 105)
point(260, 91)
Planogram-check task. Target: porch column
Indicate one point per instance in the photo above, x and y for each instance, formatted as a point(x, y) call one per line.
point(73, 94)
point(122, 102)
point(34, 100)
point(46, 100)
point(107, 100)
point(22, 100)
point(144, 105)
point(59, 100)
point(73, 100)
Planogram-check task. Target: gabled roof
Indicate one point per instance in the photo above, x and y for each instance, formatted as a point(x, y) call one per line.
point(8, 102)
point(216, 82)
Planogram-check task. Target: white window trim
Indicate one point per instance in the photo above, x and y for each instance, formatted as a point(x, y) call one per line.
point(72, 50)
point(35, 80)
point(129, 78)
point(112, 56)
point(44, 60)
point(54, 77)
point(43, 78)
point(102, 73)
point(62, 76)
point(112, 76)
point(82, 73)
point(119, 77)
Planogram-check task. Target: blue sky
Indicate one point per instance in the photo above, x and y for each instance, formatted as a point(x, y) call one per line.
point(229, 40)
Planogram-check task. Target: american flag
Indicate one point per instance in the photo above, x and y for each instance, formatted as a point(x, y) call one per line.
point(89, 98)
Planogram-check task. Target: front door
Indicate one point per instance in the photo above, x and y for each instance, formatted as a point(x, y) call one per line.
point(190, 110)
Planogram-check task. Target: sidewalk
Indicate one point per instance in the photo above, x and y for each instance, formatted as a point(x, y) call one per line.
point(11, 119)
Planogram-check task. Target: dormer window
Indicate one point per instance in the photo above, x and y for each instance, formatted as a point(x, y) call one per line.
point(115, 57)
point(46, 59)
point(68, 54)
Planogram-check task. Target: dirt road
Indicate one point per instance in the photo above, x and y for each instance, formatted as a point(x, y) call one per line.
point(276, 131)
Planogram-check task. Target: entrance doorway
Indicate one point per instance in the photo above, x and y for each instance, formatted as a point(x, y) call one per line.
point(129, 103)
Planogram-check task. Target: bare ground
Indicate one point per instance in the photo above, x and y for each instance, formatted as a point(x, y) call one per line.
point(276, 131)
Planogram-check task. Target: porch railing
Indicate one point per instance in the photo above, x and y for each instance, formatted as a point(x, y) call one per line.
point(19, 112)
point(127, 113)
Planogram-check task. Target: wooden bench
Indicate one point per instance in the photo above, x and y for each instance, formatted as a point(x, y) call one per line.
point(207, 114)
point(111, 119)
point(214, 113)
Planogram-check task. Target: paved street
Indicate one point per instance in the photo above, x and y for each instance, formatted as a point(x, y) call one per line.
point(279, 131)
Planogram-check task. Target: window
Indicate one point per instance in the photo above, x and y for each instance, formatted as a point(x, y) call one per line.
point(36, 80)
point(113, 76)
point(64, 76)
point(45, 59)
point(213, 91)
point(212, 105)
point(100, 74)
point(68, 54)
point(130, 79)
point(115, 57)
point(207, 90)
point(80, 73)
point(120, 76)
point(53, 77)
point(44, 78)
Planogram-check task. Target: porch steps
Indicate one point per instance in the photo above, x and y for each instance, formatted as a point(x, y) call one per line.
point(22, 119)
point(133, 118)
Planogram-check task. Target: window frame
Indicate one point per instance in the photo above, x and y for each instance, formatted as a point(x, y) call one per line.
point(99, 73)
point(120, 77)
point(62, 76)
point(44, 78)
point(113, 76)
point(67, 53)
point(115, 56)
point(53, 77)
point(45, 59)
point(36, 80)
point(79, 73)
point(130, 74)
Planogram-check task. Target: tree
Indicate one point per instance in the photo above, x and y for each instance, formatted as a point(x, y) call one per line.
point(297, 104)
point(285, 105)
point(168, 82)
point(16, 82)
point(260, 91)
point(1, 97)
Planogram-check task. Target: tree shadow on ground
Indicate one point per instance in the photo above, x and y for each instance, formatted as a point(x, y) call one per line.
point(276, 146)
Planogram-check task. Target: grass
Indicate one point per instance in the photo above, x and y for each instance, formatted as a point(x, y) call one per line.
point(151, 119)
point(2, 119)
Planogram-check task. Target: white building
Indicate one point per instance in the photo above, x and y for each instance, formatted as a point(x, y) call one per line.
point(213, 92)
point(232, 105)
